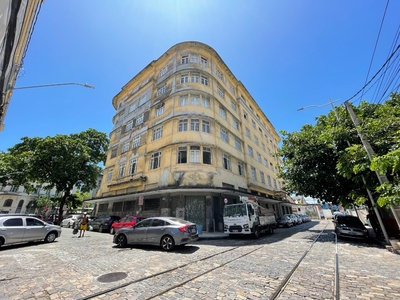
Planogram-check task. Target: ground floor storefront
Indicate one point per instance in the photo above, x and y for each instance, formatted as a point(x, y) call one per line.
point(201, 206)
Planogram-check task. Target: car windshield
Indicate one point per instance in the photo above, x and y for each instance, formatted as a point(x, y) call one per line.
point(348, 221)
point(235, 210)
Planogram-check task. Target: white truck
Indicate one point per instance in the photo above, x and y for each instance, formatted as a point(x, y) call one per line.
point(248, 217)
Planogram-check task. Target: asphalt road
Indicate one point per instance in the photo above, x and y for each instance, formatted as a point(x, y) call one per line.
point(241, 268)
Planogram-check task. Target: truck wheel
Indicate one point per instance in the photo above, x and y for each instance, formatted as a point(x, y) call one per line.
point(256, 232)
point(270, 230)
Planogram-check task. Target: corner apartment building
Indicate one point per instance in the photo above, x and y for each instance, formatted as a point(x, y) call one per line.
point(187, 138)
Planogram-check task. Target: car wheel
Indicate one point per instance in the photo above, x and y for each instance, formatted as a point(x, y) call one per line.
point(101, 228)
point(1, 242)
point(167, 243)
point(50, 237)
point(121, 241)
point(256, 232)
point(270, 230)
point(112, 231)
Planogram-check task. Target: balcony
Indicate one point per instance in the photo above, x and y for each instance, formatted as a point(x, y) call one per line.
point(138, 177)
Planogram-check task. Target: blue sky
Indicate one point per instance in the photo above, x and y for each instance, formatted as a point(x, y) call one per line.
point(288, 54)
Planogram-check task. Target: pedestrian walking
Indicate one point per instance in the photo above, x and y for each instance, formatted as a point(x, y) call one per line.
point(84, 225)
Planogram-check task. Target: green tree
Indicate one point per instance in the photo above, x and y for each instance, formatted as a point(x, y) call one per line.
point(327, 160)
point(59, 162)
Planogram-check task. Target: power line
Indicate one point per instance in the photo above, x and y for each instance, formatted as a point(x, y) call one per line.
point(376, 44)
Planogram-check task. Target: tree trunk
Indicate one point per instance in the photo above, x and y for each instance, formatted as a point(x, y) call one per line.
point(61, 208)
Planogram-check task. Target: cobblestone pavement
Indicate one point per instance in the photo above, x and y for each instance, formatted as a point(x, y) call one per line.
point(239, 268)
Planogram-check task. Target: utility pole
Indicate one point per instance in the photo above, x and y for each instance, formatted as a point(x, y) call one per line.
point(371, 198)
point(381, 177)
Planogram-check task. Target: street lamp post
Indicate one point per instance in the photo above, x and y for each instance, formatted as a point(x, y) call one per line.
point(362, 176)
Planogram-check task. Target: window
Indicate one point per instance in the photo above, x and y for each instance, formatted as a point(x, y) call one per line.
point(256, 140)
point(219, 74)
point(117, 206)
point(163, 71)
point(233, 105)
point(236, 124)
point(129, 125)
point(240, 168)
point(258, 157)
point(132, 166)
point(260, 131)
point(253, 123)
point(269, 151)
point(161, 90)
point(220, 92)
point(183, 125)
point(140, 119)
point(183, 101)
point(232, 89)
point(155, 160)
point(142, 100)
point(132, 107)
point(263, 146)
point(269, 180)
point(194, 59)
point(238, 144)
point(195, 78)
point(245, 116)
point(121, 170)
point(160, 110)
point(207, 155)
point(262, 178)
point(275, 184)
point(265, 163)
point(225, 162)
point(205, 102)
point(182, 155)
point(271, 166)
point(247, 132)
point(194, 154)
point(13, 222)
point(203, 61)
point(184, 78)
point(157, 133)
point(136, 142)
point(206, 126)
point(250, 151)
point(224, 135)
point(114, 152)
point(195, 124)
point(184, 59)
point(222, 112)
point(8, 203)
point(194, 100)
point(118, 133)
point(125, 147)
point(204, 80)
point(253, 173)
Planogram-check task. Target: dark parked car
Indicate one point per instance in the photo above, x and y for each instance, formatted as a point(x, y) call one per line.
point(166, 232)
point(103, 223)
point(350, 226)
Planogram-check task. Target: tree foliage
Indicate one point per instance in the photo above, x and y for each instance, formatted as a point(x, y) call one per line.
point(59, 162)
point(328, 161)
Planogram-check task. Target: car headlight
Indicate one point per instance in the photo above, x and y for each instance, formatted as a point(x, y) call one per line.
point(246, 226)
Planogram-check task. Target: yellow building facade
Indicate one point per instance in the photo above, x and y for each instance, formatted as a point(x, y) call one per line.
point(187, 138)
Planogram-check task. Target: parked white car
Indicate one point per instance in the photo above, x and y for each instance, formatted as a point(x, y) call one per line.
point(69, 220)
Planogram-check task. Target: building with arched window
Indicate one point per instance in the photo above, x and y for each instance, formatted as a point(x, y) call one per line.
point(188, 137)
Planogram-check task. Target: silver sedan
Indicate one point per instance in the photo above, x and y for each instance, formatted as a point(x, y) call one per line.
point(166, 232)
point(19, 228)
